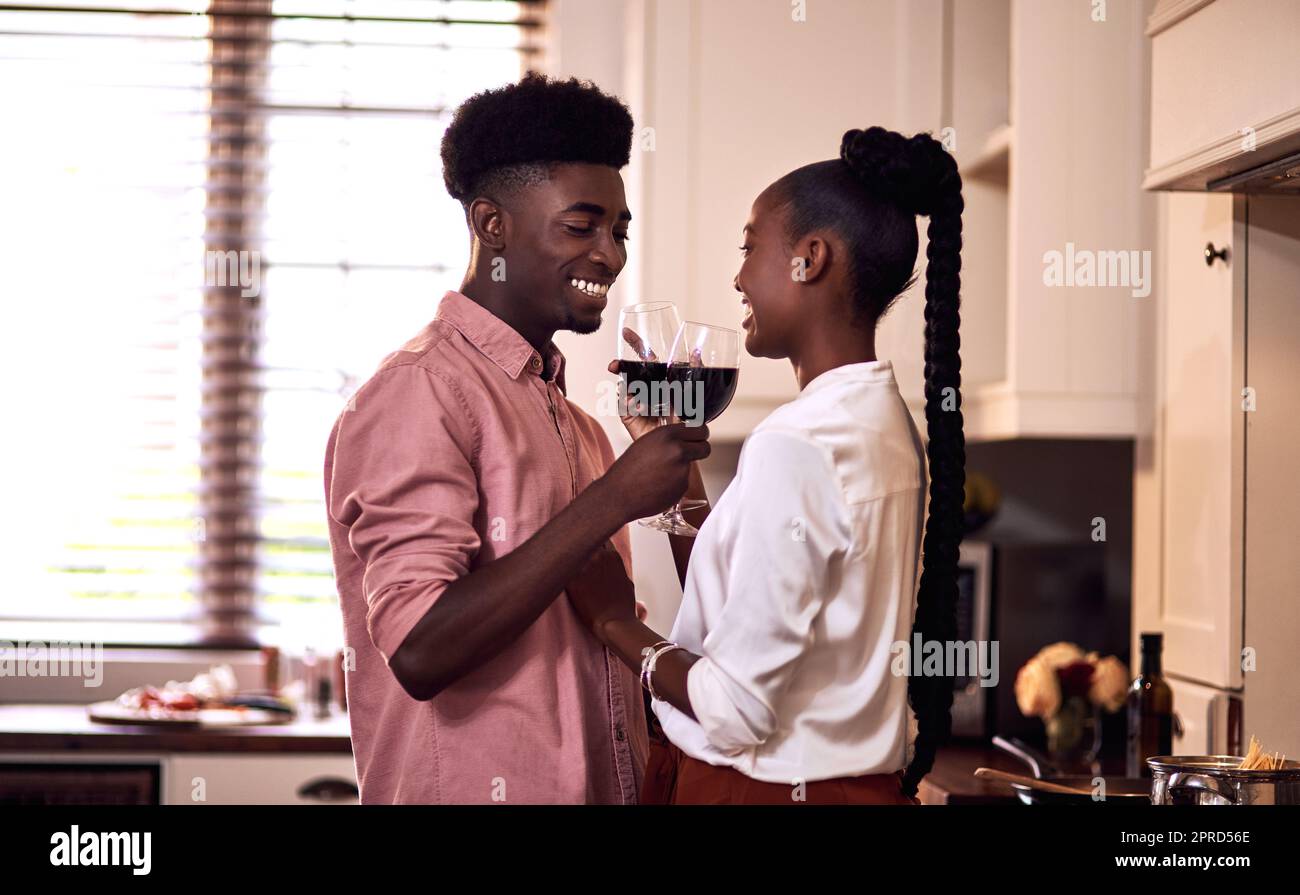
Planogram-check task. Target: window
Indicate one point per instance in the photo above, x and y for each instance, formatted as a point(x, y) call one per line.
point(217, 218)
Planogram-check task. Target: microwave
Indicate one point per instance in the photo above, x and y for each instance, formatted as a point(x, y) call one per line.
point(1024, 596)
point(970, 705)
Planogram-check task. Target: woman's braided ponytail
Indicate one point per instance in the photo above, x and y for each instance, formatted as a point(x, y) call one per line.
point(921, 177)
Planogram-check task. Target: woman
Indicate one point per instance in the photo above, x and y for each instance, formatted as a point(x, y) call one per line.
point(777, 684)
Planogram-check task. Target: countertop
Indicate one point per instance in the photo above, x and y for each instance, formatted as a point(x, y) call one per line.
point(64, 727)
point(953, 782)
point(44, 727)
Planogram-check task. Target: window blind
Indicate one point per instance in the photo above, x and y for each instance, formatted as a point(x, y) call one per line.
point(241, 212)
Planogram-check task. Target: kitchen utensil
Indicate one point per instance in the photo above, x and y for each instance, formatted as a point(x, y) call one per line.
point(1031, 782)
point(1078, 788)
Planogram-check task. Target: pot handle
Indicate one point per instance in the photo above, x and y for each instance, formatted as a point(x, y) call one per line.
point(1038, 763)
point(1188, 781)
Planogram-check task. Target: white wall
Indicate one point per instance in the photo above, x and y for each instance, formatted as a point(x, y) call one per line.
point(592, 39)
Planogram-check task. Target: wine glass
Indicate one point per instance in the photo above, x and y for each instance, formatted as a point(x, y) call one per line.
point(703, 372)
point(645, 340)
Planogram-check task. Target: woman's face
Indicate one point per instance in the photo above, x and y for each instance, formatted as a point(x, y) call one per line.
point(767, 284)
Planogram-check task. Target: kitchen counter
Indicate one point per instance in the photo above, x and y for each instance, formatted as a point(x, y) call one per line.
point(953, 780)
point(55, 728)
point(60, 727)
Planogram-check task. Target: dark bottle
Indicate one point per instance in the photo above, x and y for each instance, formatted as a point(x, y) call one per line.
point(1150, 710)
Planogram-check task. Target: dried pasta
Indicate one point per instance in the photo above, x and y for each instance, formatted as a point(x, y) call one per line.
point(1258, 760)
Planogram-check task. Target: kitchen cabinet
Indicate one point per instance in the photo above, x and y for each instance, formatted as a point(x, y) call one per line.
point(1271, 564)
point(53, 753)
point(260, 780)
point(1047, 124)
point(731, 109)
point(145, 779)
point(1201, 608)
point(1225, 88)
point(1215, 566)
point(1215, 481)
point(1045, 111)
point(1204, 724)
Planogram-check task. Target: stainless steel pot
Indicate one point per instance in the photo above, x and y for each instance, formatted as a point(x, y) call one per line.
point(1215, 780)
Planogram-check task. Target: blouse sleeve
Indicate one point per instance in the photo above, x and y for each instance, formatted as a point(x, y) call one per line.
point(792, 532)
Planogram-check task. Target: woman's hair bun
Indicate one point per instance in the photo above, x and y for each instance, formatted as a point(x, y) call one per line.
point(912, 172)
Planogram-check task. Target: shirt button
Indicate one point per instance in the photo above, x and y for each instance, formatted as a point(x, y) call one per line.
point(620, 734)
point(536, 362)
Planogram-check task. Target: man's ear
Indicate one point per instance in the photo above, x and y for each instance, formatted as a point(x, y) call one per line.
point(489, 223)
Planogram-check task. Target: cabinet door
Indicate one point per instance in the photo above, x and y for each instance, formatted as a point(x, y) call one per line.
point(1205, 720)
point(1272, 507)
point(1200, 608)
point(260, 779)
point(1201, 108)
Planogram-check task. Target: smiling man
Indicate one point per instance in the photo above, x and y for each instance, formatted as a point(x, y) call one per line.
point(465, 490)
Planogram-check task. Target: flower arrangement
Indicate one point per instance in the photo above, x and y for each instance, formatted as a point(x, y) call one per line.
point(1068, 688)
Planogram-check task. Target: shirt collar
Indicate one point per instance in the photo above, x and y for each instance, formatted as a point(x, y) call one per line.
point(867, 371)
point(498, 341)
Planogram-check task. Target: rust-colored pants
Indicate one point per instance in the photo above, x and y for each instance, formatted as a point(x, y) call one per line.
point(674, 778)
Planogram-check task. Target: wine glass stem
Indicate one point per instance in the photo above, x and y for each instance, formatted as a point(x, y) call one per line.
point(674, 511)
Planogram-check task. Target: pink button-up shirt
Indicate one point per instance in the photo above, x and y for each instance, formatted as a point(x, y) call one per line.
point(453, 454)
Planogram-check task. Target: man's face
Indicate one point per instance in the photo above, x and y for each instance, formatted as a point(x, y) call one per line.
point(568, 244)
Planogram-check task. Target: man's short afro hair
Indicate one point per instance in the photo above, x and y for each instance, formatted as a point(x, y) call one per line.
point(537, 121)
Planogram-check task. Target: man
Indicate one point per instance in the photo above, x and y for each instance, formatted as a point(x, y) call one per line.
point(464, 489)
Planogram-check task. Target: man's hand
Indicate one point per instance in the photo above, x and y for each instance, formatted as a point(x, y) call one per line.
point(655, 470)
point(602, 592)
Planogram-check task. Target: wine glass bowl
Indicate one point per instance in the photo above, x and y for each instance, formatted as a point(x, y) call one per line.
point(705, 360)
point(671, 371)
point(703, 372)
point(645, 339)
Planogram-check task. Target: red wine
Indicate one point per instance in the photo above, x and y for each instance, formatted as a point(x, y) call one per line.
point(644, 380)
point(719, 387)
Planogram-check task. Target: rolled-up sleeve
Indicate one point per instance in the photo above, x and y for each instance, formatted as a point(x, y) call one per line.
point(404, 486)
point(791, 536)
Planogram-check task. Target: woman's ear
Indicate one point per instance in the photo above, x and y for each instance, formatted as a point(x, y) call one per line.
point(812, 260)
point(487, 221)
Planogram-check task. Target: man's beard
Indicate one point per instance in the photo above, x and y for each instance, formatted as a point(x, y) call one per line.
point(581, 327)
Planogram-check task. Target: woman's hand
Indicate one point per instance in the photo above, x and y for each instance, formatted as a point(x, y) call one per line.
point(602, 593)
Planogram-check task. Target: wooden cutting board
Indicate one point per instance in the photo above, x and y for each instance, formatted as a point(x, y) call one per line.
point(206, 719)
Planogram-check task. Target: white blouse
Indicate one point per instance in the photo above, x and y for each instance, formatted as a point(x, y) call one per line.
point(802, 578)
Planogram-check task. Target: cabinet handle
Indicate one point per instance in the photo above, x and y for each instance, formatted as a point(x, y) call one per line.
point(328, 789)
point(1211, 253)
